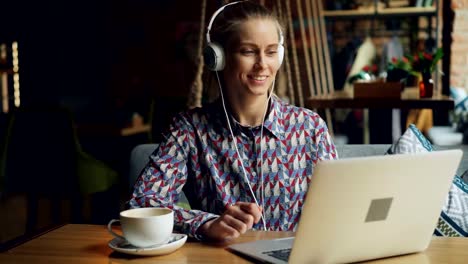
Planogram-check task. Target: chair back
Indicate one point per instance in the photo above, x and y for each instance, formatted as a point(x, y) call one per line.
point(139, 157)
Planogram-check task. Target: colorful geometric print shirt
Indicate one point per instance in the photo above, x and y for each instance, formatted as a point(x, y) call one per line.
point(198, 157)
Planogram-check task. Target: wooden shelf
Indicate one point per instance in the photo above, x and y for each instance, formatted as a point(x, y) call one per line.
point(348, 13)
point(408, 100)
point(407, 11)
point(129, 131)
point(380, 13)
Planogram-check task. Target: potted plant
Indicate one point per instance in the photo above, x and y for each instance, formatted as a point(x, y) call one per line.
point(366, 74)
point(398, 70)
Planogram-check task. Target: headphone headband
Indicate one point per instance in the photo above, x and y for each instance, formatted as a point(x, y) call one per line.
point(215, 14)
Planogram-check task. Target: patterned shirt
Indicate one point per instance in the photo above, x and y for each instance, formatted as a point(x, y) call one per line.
point(198, 157)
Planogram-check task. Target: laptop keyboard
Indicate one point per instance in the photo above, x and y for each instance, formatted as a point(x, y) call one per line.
point(282, 254)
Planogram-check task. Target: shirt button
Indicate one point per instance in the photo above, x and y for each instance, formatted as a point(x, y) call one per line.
point(254, 173)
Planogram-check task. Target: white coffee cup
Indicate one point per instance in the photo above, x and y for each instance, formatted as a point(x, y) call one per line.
point(144, 227)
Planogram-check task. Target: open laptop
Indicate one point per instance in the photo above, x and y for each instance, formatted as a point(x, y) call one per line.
point(365, 208)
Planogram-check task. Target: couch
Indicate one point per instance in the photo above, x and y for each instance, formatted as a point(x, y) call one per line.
point(361, 150)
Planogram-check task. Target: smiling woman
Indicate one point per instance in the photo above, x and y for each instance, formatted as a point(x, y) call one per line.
point(244, 161)
point(251, 67)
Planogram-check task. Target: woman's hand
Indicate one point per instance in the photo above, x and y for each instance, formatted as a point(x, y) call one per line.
point(236, 220)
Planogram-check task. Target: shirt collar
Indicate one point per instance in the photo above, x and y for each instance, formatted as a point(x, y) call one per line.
point(274, 122)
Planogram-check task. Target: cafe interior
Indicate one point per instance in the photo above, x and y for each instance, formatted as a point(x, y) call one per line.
point(85, 82)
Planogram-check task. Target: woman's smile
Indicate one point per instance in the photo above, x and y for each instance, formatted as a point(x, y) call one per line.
point(257, 79)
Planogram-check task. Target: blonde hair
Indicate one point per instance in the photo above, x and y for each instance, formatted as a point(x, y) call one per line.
point(227, 23)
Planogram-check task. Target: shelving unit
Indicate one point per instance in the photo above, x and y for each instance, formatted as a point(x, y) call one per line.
point(373, 21)
point(376, 13)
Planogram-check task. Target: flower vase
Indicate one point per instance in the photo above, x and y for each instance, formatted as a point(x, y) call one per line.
point(426, 86)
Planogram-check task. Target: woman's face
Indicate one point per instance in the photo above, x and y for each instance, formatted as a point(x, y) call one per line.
point(252, 58)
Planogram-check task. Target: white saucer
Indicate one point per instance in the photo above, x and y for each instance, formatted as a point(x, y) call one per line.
point(175, 242)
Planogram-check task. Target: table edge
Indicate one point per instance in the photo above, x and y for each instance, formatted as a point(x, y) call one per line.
point(18, 241)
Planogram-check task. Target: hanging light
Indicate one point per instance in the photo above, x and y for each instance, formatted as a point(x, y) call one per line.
point(4, 78)
point(16, 84)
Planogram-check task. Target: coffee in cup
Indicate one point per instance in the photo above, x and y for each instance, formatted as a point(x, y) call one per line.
point(144, 227)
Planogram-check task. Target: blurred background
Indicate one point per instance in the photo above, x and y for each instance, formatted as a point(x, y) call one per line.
point(87, 81)
point(94, 76)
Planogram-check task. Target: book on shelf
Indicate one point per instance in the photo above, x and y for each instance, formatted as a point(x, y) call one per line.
point(398, 3)
point(424, 3)
point(428, 3)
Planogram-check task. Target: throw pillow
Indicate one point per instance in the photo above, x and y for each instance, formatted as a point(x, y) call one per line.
point(411, 141)
point(459, 116)
point(453, 220)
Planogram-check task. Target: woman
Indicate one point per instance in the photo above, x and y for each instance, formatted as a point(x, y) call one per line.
point(246, 160)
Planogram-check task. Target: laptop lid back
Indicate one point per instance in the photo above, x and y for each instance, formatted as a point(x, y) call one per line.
point(365, 208)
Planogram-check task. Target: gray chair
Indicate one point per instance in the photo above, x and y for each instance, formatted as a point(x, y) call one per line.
point(361, 150)
point(139, 158)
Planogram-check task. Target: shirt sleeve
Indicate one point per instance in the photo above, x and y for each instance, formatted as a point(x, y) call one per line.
point(326, 149)
point(162, 180)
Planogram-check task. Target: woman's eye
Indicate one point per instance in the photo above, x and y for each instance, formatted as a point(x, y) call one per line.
point(271, 52)
point(247, 52)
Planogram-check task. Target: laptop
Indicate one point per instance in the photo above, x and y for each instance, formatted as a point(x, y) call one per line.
point(365, 208)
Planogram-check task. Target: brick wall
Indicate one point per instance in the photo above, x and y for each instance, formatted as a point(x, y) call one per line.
point(459, 52)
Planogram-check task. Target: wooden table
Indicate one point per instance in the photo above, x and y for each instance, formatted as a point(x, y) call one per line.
point(409, 99)
point(88, 244)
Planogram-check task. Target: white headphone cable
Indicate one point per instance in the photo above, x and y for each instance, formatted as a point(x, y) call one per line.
point(261, 147)
point(238, 153)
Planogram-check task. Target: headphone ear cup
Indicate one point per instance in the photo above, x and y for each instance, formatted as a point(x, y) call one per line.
point(280, 54)
point(214, 57)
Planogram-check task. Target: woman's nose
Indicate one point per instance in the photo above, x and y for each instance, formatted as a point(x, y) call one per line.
point(260, 63)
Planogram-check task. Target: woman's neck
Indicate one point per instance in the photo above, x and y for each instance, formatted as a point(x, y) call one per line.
point(248, 111)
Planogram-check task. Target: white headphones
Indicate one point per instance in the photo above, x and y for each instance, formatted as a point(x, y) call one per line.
point(213, 54)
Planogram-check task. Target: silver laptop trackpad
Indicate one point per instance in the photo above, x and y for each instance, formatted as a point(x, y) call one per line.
point(260, 249)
